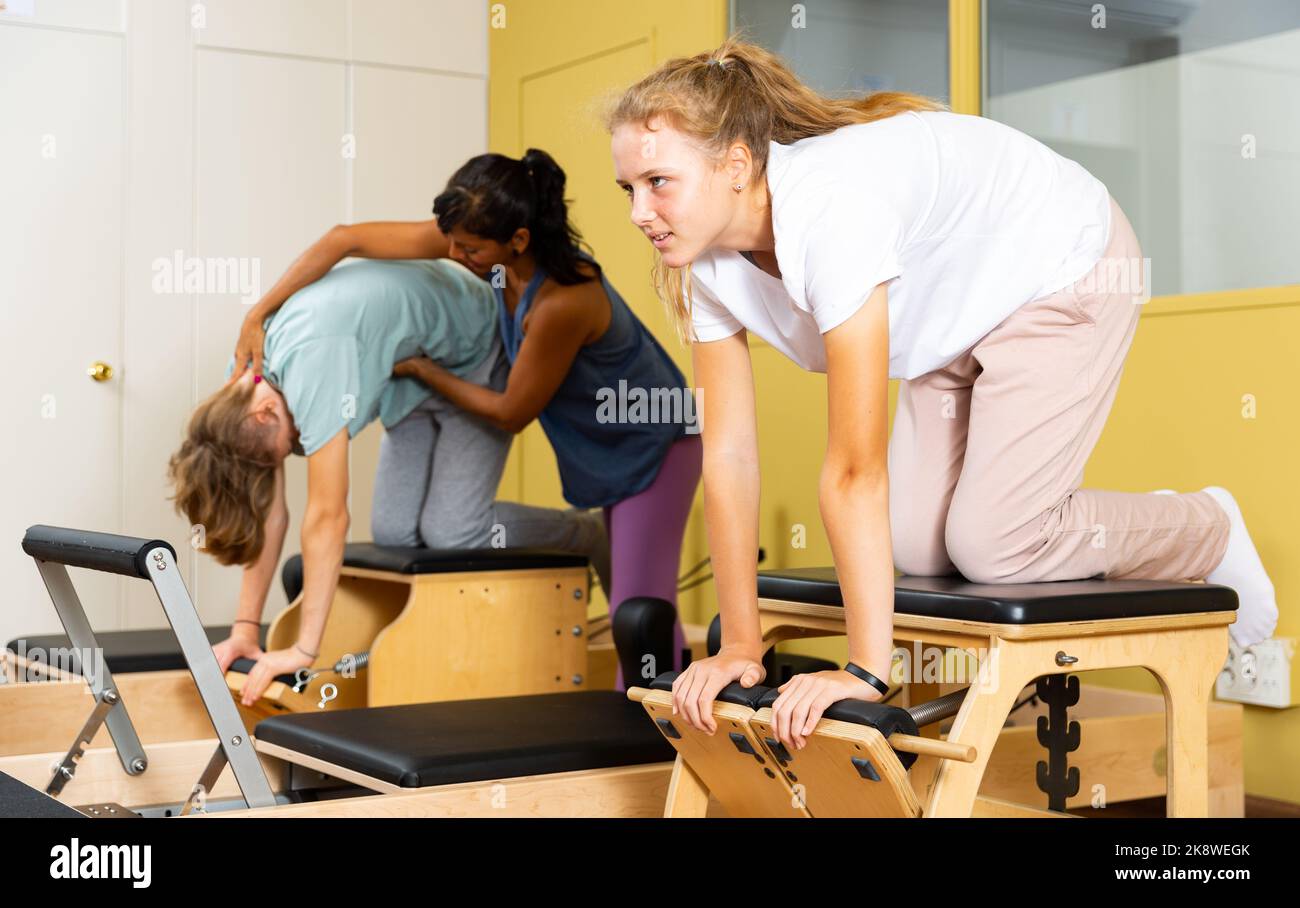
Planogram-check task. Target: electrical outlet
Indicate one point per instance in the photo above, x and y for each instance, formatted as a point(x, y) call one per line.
point(1261, 675)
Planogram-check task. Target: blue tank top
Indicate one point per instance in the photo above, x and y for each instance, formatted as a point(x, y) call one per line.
point(617, 412)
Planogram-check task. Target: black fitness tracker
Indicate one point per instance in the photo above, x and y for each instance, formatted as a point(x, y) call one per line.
point(859, 672)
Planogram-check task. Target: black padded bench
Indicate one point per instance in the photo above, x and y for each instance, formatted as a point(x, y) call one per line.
point(428, 744)
point(954, 597)
point(414, 560)
point(148, 650)
point(18, 800)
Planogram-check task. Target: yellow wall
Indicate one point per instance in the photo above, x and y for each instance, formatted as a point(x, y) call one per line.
point(553, 65)
point(1183, 420)
point(1177, 422)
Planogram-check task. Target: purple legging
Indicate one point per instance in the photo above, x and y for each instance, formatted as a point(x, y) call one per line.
point(645, 536)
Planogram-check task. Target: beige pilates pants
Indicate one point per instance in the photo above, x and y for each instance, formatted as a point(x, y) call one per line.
point(987, 453)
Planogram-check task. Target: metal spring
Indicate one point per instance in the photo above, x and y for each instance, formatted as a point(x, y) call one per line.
point(928, 713)
point(359, 661)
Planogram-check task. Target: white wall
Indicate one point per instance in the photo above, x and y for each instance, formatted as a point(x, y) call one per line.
point(217, 129)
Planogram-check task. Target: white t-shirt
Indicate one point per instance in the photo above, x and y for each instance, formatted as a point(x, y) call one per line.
point(966, 218)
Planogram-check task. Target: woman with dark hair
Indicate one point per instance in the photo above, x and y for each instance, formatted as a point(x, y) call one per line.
point(613, 404)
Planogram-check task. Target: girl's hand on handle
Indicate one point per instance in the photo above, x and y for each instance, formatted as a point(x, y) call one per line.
point(804, 698)
point(235, 647)
point(695, 689)
point(276, 662)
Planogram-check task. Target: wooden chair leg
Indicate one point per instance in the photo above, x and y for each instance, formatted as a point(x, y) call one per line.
point(978, 723)
point(1186, 673)
point(687, 796)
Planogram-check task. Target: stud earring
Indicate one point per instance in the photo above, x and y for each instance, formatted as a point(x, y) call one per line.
point(738, 187)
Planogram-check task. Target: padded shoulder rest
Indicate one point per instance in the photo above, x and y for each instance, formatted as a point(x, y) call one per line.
point(882, 717)
point(733, 693)
point(151, 650)
point(1012, 603)
point(424, 744)
point(92, 550)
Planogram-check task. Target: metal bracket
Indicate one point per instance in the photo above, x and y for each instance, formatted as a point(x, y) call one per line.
point(63, 773)
point(232, 738)
point(1056, 777)
point(207, 780)
point(111, 712)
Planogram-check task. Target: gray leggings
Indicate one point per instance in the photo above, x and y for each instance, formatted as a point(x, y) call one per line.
point(439, 469)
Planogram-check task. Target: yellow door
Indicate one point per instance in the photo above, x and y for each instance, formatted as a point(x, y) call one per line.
point(553, 66)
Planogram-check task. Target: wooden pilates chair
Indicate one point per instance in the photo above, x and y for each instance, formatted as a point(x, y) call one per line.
point(576, 753)
point(855, 765)
point(412, 625)
point(1023, 634)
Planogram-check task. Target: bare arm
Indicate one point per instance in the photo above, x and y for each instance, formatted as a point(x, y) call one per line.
point(724, 376)
point(854, 497)
point(324, 533)
point(555, 334)
point(372, 239)
point(854, 485)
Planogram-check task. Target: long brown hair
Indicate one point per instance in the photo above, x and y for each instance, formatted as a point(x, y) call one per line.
point(224, 476)
point(740, 92)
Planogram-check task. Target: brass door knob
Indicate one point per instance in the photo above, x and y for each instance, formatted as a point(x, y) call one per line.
point(100, 371)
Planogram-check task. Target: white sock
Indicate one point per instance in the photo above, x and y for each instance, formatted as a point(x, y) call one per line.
point(1242, 570)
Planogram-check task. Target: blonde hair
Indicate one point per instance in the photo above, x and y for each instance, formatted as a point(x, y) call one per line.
point(740, 92)
point(224, 475)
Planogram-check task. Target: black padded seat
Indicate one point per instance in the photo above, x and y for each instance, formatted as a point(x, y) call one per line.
point(403, 560)
point(1012, 603)
point(423, 744)
point(149, 650)
point(442, 561)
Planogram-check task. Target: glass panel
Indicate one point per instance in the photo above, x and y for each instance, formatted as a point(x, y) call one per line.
point(1186, 109)
point(845, 47)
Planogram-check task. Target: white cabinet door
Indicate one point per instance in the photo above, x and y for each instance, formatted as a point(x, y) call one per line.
point(61, 304)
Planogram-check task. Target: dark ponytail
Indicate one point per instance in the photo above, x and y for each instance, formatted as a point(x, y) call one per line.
point(492, 196)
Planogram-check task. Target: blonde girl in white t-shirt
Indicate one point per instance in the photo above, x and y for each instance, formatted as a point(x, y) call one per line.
point(886, 237)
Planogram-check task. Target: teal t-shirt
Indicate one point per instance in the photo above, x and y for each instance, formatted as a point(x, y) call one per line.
point(331, 347)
